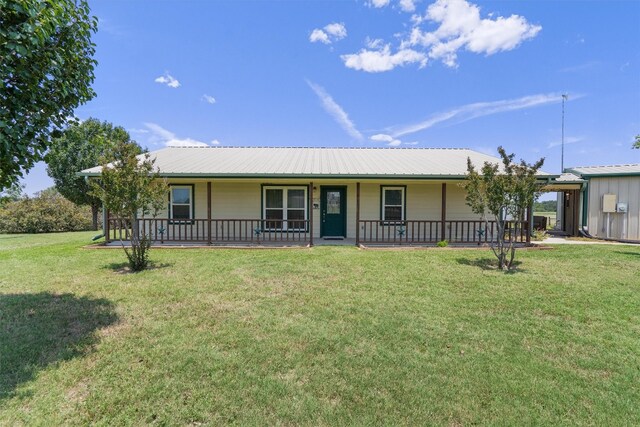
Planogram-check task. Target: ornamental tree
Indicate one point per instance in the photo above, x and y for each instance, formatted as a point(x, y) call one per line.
point(82, 146)
point(129, 186)
point(502, 193)
point(46, 70)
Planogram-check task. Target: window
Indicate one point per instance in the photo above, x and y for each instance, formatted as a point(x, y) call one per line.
point(181, 202)
point(392, 204)
point(285, 208)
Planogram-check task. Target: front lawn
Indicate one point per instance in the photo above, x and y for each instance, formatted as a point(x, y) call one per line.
point(328, 335)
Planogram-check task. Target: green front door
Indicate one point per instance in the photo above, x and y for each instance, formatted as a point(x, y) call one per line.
point(333, 211)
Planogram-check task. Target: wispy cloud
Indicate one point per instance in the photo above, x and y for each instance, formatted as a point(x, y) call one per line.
point(567, 140)
point(208, 99)
point(160, 135)
point(580, 67)
point(480, 109)
point(329, 34)
point(168, 80)
point(335, 111)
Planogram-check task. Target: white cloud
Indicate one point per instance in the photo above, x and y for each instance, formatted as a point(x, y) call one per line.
point(390, 140)
point(319, 36)
point(329, 34)
point(169, 80)
point(480, 109)
point(337, 30)
point(215, 142)
point(335, 111)
point(460, 26)
point(208, 99)
point(567, 140)
point(379, 60)
point(378, 3)
point(407, 5)
point(160, 135)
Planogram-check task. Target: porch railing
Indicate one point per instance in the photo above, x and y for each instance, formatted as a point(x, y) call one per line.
point(425, 231)
point(212, 231)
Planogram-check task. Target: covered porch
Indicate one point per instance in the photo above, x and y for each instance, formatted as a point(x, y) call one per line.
point(298, 213)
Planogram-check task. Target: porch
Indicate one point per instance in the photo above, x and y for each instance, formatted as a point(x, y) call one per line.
point(292, 213)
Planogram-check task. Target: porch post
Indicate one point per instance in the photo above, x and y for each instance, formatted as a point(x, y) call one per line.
point(357, 214)
point(529, 221)
point(105, 223)
point(311, 213)
point(209, 212)
point(443, 218)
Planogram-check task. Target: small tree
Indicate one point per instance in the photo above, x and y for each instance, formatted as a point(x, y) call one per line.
point(637, 143)
point(502, 193)
point(81, 146)
point(130, 186)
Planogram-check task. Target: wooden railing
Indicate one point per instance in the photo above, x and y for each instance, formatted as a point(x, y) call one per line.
point(426, 231)
point(407, 232)
point(212, 231)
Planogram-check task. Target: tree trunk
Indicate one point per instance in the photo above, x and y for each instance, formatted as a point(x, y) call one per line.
point(94, 216)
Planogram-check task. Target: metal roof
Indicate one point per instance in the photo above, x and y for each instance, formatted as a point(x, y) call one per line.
point(314, 162)
point(568, 177)
point(631, 169)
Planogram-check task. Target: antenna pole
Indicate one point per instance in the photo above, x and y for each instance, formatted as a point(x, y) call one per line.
point(565, 96)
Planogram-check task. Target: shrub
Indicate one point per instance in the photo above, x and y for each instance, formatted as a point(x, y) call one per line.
point(47, 212)
point(442, 244)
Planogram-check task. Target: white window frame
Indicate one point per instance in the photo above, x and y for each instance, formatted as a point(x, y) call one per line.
point(383, 211)
point(285, 191)
point(190, 204)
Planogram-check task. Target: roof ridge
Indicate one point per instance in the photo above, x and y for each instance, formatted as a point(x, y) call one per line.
point(322, 148)
point(605, 166)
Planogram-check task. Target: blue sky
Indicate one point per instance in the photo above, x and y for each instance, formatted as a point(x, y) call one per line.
point(373, 73)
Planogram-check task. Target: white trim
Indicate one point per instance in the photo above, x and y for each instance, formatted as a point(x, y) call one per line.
point(384, 202)
point(285, 190)
point(171, 203)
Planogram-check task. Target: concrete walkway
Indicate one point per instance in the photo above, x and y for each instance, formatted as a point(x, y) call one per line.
point(557, 240)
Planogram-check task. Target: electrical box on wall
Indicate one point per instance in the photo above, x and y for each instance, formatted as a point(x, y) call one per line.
point(609, 203)
point(621, 207)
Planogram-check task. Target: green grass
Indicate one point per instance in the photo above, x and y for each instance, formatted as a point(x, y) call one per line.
point(321, 336)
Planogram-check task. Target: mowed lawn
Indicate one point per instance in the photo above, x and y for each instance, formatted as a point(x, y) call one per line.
point(321, 336)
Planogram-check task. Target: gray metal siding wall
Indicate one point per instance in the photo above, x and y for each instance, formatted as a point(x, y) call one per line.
point(627, 190)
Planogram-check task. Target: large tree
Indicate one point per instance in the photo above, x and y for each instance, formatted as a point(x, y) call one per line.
point(129, 186)
point(46, 70)
point(81, 146)
point(503, 193)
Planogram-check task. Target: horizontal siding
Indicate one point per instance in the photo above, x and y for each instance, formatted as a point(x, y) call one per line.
point(242, 200)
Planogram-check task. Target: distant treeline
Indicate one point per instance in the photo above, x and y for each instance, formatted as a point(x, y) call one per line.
point(546, 206)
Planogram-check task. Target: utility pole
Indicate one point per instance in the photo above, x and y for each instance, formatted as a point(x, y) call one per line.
point(565, 96)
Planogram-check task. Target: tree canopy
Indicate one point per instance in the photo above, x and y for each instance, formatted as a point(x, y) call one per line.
point(82, 146)
point(503, 193)
point(46, 71)
point(130, 186)
point(637, 143)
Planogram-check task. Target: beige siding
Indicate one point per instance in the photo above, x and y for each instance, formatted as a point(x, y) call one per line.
point(627, 189)
point(235, 199)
